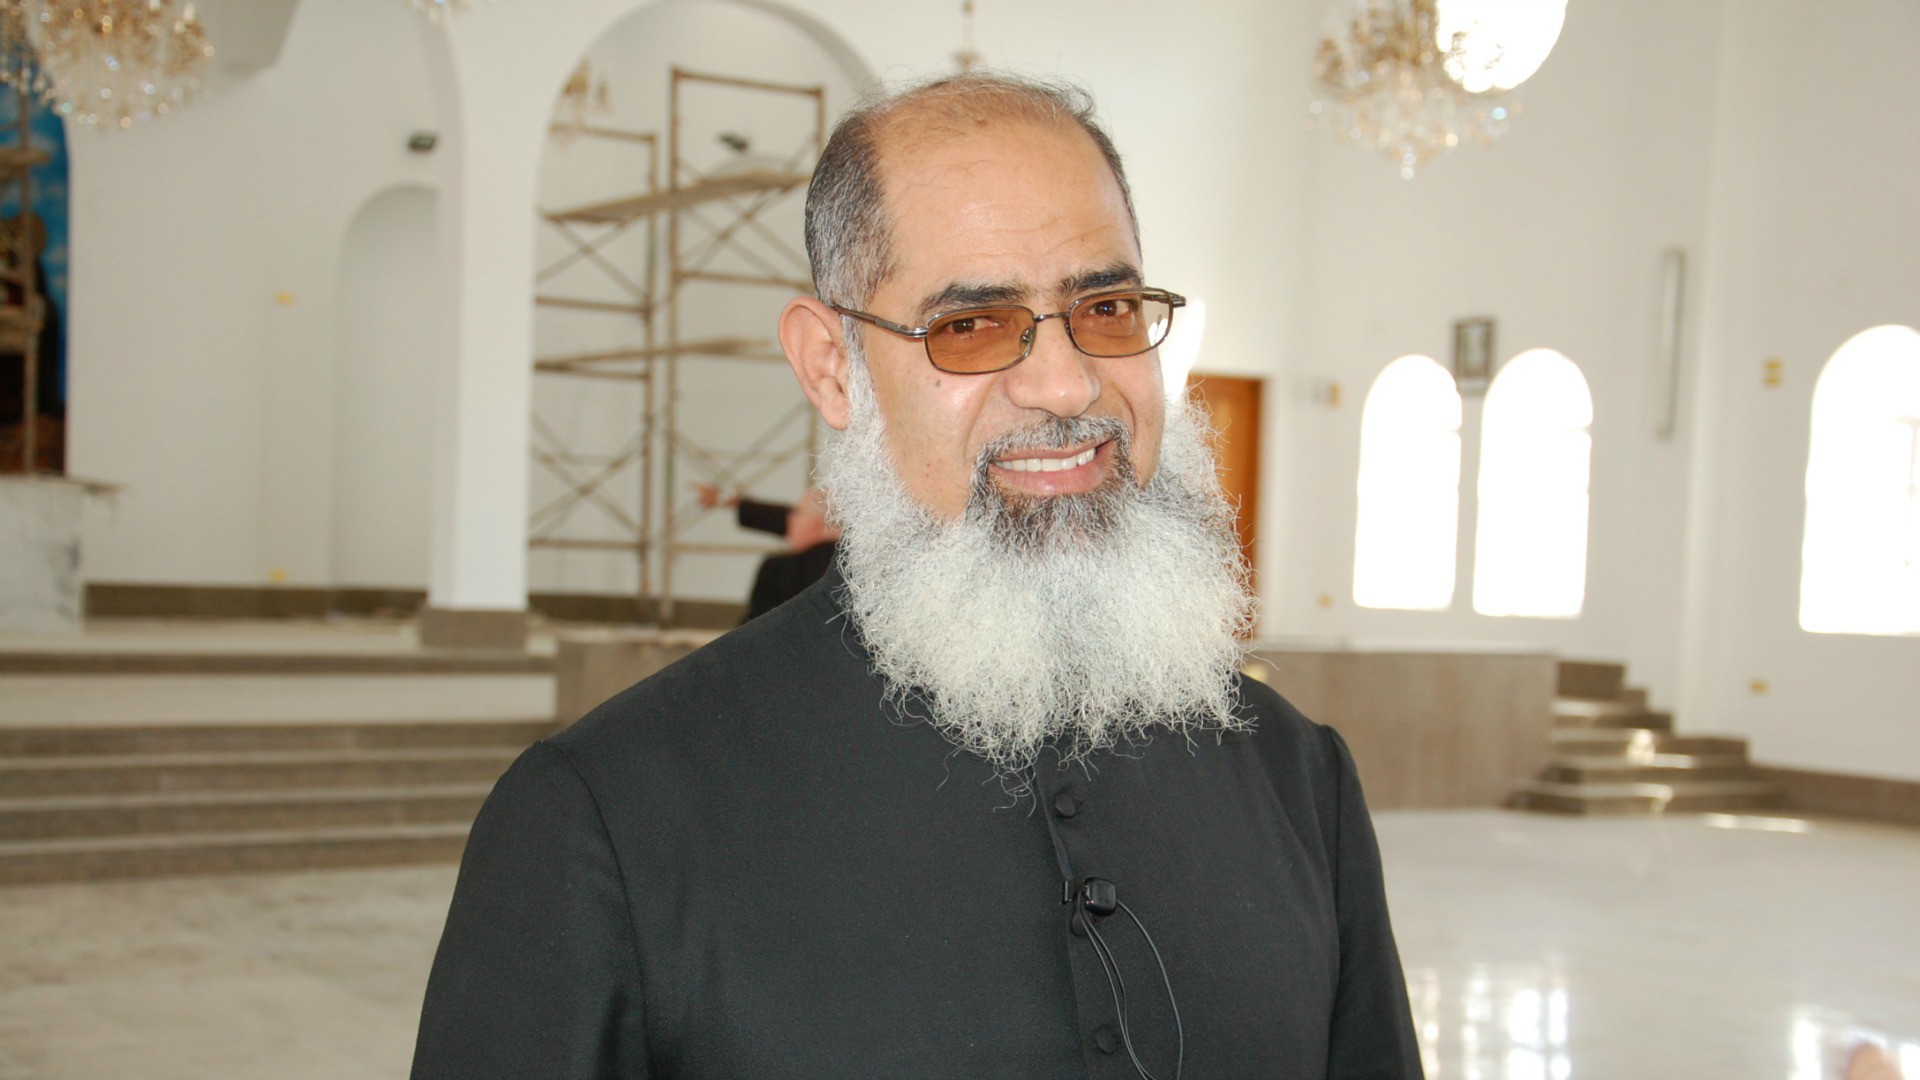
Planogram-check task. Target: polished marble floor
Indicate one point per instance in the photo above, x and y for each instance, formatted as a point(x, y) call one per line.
point(1690, 948)
point(1535, 947)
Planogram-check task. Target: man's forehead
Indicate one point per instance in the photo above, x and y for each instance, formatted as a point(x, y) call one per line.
point(957, 195)
point(945, 154)
point(966, 293)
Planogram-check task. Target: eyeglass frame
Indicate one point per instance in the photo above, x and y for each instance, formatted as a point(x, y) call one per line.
point(1173, 300)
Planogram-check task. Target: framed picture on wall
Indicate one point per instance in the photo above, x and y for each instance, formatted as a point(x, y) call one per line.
point(1473, 354)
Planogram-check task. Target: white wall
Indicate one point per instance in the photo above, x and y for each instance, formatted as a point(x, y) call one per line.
point(1774, 159)
point(1556, 231)
point(193, 383)
point(1814, 236)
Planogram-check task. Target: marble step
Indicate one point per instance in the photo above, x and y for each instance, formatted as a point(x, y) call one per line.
point(103, 774)
point(1662, 769)
point(1636, 742)
point(37, 861)
point(75, 816)
point(1632, 695)
point(1591, 679)
point(1695, 797)
point(1573, 712)
point(61, 740)
point(18, 661)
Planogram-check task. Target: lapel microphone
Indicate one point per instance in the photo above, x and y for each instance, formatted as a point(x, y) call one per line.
point(1094, 899)
point(1097, 898)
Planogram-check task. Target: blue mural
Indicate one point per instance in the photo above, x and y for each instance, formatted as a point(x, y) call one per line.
point(50, 203)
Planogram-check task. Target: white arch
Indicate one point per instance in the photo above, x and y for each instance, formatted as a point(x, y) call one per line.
point(577, 39)
point(1530, 542)
point(1409, 488)
point(1860, 553)
point(495, 72)
point(387, 358)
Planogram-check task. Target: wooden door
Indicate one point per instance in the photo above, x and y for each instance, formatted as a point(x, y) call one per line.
point(1234, 405)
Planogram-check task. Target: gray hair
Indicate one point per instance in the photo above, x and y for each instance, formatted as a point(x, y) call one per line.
point(849, 237)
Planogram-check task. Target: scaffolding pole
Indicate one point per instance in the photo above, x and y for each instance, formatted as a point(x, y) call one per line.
point(730, 206)
point(584, 475)
point(688, 192)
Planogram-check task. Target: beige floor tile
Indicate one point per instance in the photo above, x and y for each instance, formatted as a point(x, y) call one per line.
point(1536, 948)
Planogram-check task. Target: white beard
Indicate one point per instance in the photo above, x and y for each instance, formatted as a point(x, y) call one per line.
point(1074, 622)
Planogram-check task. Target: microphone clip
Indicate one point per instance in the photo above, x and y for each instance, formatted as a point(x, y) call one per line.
point(1097, 897)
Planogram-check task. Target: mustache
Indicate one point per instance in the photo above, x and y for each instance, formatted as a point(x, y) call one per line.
point(1033, 525)
point(1055, 433)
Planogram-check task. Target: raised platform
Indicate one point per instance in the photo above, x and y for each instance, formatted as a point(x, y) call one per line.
point(1430, 726)
point(1612, 754)
point(89, 802)
point(144, 747)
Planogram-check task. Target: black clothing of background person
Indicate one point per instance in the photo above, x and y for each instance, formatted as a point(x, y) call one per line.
point(762, 516)
point(745, 866)
point(785, 576)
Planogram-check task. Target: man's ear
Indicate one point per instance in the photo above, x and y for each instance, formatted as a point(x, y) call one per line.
point(810, 336)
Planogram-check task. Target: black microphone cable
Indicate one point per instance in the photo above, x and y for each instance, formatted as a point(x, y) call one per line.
point(1117, 983)
point(1098, 898)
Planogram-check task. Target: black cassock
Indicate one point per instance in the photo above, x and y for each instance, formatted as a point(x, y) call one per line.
point(746, 866)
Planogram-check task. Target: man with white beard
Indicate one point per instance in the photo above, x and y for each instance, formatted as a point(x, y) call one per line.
point(992, 799)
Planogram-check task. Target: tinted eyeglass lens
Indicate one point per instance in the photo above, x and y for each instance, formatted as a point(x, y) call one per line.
point(984, 339)
point(1120, 324)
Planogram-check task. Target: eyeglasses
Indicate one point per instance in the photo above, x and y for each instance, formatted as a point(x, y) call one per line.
point(978, 341)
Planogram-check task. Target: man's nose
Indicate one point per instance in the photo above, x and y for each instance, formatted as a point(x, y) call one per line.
point(1055, 376)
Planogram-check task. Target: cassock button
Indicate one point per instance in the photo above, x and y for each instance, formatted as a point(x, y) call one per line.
point(1107, 1039)
point(1064, 806)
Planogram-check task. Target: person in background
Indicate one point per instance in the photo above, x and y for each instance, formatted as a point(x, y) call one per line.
point(810, 538)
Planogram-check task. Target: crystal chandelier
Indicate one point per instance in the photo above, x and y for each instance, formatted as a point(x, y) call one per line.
point(1385, 83)
point(105, 63)
point(585, 92)
point(18, 67)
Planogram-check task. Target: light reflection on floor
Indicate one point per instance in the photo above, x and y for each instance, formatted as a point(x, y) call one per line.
point(1495, 1028)
point(1508, 1028)
point(1737, 947)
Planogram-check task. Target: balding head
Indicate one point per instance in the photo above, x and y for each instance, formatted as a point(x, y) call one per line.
point(849, 233)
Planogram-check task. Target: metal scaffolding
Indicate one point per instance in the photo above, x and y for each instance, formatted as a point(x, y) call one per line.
point(587, 475)
point(715, 237)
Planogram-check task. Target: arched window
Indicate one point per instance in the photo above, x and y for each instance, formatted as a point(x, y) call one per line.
point(1530, 549)
point(1860, 560)
point(1403, 545)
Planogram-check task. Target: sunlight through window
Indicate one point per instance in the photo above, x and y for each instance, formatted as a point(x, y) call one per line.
point(1503, 42)
point(1181, 351)
point(1403, 547)
point(1530, 549)
point(1860, 559)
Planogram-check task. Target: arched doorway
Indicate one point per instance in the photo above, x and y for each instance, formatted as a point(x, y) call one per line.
point(389, 350)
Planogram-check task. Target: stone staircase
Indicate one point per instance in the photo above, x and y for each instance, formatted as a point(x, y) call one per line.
point(101, 801)
point(1614, 755)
